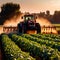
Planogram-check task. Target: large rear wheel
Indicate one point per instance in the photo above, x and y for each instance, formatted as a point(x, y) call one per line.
point(19, 28)
point(25, 28)
point(38, 28)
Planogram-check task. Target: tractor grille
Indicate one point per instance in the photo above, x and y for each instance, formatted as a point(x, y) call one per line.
point(31, 23)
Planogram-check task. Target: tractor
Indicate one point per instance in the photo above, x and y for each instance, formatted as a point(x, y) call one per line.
point(29, 25)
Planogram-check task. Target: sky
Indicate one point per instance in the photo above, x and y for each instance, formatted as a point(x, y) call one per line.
point(36, 6)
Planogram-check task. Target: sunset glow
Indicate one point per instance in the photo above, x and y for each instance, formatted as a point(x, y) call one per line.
point(36, 5)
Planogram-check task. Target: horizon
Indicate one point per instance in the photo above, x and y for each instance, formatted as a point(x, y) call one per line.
point(35, 6)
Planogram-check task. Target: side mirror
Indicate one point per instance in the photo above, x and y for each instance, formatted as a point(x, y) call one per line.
point(22, 17)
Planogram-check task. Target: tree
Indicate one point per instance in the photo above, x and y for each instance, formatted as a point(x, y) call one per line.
point(48, 15)
point(8, 10)
point(56, 17)
point(47, 12)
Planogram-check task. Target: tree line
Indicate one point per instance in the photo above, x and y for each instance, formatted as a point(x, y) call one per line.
point(55, 18)
point(9, 10)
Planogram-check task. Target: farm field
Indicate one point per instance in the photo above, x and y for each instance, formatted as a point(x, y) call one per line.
point(30, 46)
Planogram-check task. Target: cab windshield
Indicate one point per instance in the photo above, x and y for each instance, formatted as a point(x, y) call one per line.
point(29, 18)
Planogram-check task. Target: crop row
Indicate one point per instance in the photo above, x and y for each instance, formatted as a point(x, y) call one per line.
point(36, 49)
point(48, 43)
point(51, 36)
point(12, 51)
point(46, 37)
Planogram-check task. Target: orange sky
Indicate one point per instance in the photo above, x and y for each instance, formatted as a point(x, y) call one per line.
point(36, 5)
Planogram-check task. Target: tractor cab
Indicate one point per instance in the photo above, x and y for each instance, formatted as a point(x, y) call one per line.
point(29, 19)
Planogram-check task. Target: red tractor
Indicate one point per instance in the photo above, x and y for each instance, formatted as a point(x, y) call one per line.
point(29, 25)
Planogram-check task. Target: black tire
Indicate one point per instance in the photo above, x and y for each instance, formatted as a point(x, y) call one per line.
point(38, 28)
point(19, 28)
point(25, 28)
